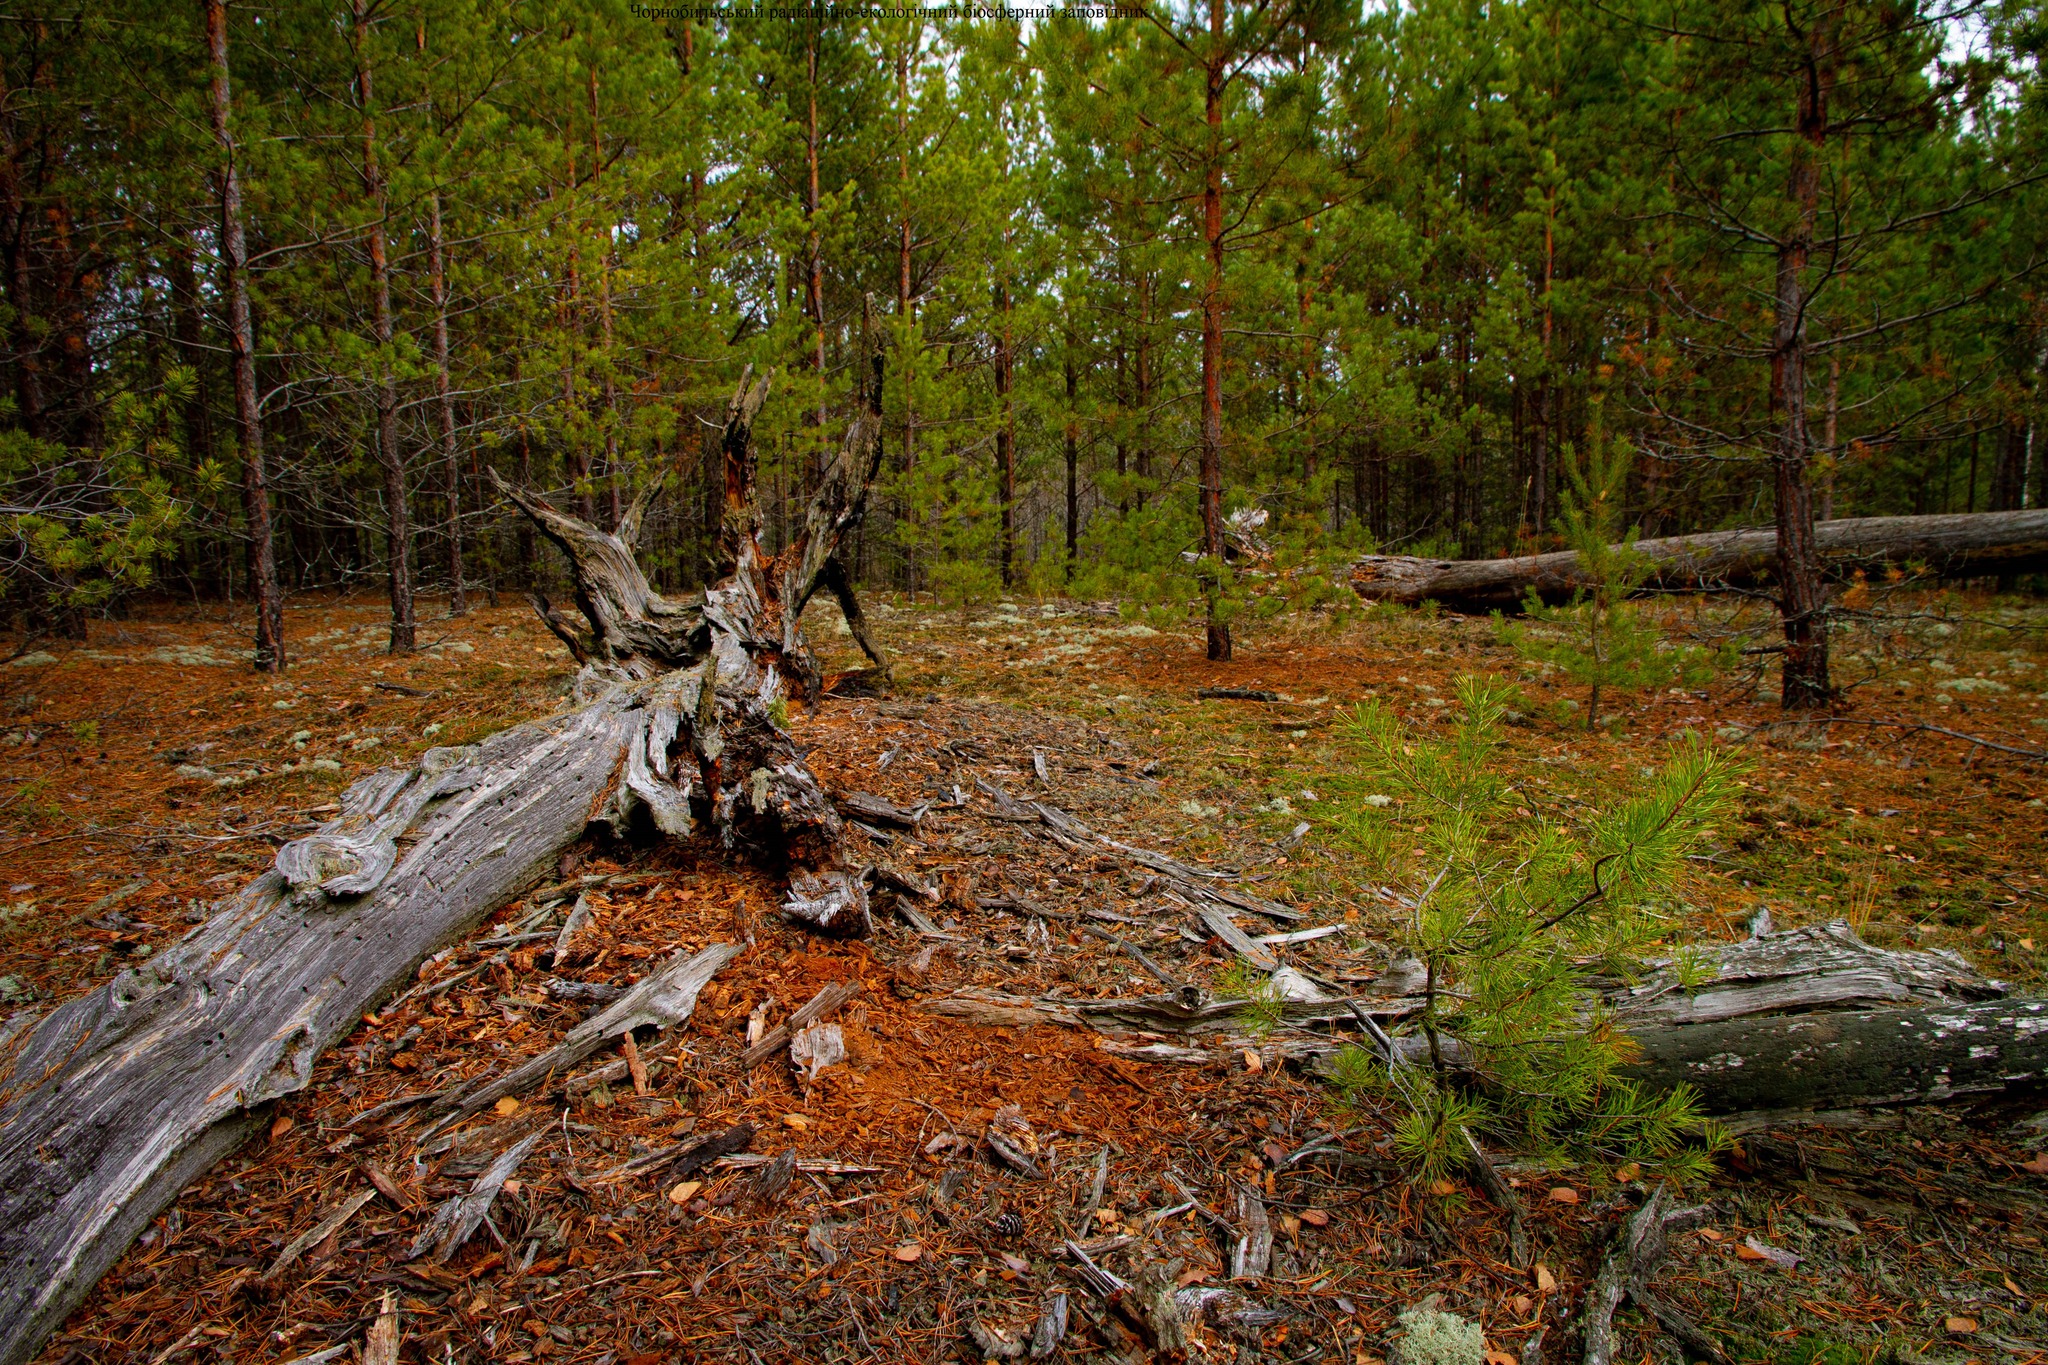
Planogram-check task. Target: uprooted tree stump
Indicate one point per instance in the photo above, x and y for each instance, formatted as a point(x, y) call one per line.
point(114, 1102)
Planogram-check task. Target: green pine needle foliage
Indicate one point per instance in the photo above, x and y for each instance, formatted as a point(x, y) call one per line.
point(1512, 916)
point(1262, 1010)
point(82, 526)
point(1598, 639)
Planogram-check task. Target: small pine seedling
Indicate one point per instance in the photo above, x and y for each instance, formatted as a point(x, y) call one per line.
point(1598, 639)
point(1513, 915)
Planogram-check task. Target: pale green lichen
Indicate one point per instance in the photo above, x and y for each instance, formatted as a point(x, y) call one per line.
point(1433, 1337)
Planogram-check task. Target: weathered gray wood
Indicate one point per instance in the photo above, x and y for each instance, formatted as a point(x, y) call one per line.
point(1840, 1059)
point(113, 1102)
point(1198, 884)
point(1237, 939)
point(1812, 1018)
point(1253, 1256)
point(460, 1216)
point(319, 1232)
point(879, 810)
point(661, 1000)
point(117, 1099)
point(1188, 1012)
point(1820, 966)
point(1957, 545)
point(832, 903)
point(828, 999)
point(1639, 1248)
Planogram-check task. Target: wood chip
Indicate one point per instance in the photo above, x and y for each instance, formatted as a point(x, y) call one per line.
point(817, 1047)
point(457, 1218)
point(823, 1003)
point(634, 1066)
point(319, 1232)
point(380, 1343)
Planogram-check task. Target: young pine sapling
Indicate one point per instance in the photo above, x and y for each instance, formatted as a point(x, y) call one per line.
point(1599, 639)
point(1513, 913)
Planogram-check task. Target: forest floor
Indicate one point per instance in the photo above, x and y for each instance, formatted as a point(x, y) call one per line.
point(144, 774)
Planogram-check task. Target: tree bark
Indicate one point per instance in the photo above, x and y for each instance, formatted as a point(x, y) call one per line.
point(115, 1101)
point(451, 460)
point(1218, 631)
point(1802, 591)
point(1958, 545)
point(397, 506)
point(234, 259)
point(1850, 1059)
point(1073, 461)
point(1006, 437)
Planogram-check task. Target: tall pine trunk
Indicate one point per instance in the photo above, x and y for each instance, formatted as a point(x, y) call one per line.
point(1802, 593)
point(1545, 415)
point(397, 510)
point(1006, 437)
point(1073, 462)
point(814, 274)
point(234, 258)
point(451, 460)
point(1212, 341)
point(906, 320)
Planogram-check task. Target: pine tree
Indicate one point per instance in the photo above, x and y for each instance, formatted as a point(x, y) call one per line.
point(1599, 638)
point(1511, 916)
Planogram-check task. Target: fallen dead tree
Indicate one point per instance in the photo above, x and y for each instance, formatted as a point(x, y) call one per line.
point(1808, 1019)
point(1959, 545)
point(115, 1101)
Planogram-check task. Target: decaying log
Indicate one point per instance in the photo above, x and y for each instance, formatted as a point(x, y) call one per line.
point(1812, 1018)
point(1843, 1059)
point(1956, 545)
point(1818, 967)
point(115, 1101)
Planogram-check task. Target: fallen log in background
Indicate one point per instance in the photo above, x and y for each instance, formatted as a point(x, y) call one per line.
point(1958, 545)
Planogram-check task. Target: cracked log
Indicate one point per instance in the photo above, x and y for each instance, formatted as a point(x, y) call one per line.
point(1815, 1018)
point(1957, 545)
point(115, 1101)
point(1809, 1019)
